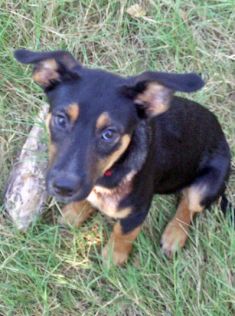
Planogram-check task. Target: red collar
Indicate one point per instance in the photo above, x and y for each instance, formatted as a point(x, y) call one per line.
point(108, 173)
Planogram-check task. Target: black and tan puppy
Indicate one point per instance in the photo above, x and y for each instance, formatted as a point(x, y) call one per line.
point(117, 141)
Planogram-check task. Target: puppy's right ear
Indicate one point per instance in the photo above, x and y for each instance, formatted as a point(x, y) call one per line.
point(49, 67)
point(152, 91)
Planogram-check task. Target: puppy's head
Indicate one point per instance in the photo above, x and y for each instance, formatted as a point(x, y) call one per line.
point(93, 115)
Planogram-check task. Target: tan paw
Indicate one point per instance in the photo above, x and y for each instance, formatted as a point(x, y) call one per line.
point(75, 213)
point(118, 258)
point(68, 218)
point(173, 238)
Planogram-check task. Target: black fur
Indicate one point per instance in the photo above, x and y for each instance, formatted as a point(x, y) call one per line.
point(179, 148)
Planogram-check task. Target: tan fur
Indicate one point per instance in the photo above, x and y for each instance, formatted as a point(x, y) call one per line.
point(103, 120)
point(107, 200)
point(76, 213)
point(73, 112)
point(52, 149)
point(47, 122)
point(108, 203)
point(45, 72)
point(194, 196)
point(176, 232)
point(120, 244)
point(108, 162)
point(156, 98)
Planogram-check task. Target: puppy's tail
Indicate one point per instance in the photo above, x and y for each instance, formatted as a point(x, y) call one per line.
point(227, 208)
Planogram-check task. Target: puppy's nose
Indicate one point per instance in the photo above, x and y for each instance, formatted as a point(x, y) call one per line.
point(66, 185)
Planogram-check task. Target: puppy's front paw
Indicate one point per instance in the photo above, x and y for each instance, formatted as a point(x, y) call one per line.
point(118, 258)
point(76, 213)
point(173, 238)
point(70, 216)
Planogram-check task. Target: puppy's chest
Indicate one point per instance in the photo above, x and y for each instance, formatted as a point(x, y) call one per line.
point(108, 201)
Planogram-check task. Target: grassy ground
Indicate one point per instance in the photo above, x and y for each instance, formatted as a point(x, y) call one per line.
point(52, 271)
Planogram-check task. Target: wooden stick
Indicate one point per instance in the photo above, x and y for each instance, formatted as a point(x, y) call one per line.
point(25, 192)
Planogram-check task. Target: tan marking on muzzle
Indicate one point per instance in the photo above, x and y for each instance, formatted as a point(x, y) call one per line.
point(52, 152)
point(108, 162)
point(52, 149)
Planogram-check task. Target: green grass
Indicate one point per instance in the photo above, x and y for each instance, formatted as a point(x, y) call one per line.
point(53, 271)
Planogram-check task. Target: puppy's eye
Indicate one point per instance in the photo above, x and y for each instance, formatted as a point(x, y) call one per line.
point(60, 120)
point(109, 135)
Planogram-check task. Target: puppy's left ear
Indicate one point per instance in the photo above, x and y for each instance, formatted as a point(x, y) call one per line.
point(152, 91)
point(49, 67)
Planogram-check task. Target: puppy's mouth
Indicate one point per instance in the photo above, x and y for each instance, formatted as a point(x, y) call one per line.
point(68, 196)
point(69, 188)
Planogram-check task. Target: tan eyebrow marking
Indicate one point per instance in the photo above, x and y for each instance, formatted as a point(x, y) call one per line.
point(103, 120)
point(73, 111)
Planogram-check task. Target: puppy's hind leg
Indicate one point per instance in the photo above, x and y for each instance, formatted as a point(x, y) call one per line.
point(206, 188)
